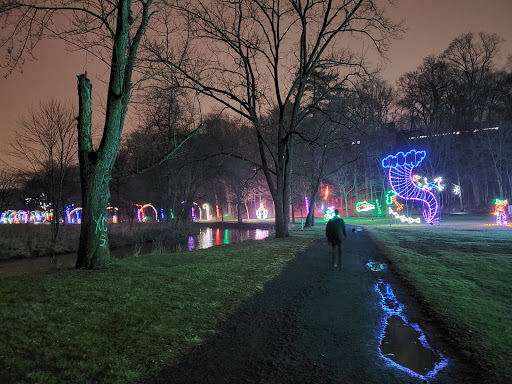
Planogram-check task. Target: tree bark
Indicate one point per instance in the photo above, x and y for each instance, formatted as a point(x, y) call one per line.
point(93, 250)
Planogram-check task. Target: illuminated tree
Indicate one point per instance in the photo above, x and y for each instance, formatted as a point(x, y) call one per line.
point(259, 56)
point(111, 31)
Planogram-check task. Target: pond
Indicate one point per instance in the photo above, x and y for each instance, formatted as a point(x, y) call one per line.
point(206, 238)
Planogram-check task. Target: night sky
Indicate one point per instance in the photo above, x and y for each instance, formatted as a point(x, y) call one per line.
point(432, 25)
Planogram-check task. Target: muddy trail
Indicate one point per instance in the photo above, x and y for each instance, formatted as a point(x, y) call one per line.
point(317, 324)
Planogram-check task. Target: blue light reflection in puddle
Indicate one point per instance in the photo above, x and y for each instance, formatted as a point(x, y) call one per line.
point(404, 344)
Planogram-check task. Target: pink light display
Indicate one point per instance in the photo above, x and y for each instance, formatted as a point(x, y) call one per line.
point(141, 215)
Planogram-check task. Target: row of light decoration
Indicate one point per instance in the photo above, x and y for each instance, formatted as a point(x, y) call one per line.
point(26, 217)
point(74, 215)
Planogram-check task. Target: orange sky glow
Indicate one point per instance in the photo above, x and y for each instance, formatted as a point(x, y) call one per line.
point(431, 26)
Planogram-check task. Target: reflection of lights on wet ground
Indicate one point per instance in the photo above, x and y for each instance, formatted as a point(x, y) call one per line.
point(375, 266)
point(399, 339)
point(191, 243)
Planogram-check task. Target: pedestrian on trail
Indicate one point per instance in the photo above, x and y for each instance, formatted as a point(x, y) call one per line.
point(336, 233)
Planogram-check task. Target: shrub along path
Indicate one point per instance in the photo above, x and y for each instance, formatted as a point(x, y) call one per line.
point(313, 324)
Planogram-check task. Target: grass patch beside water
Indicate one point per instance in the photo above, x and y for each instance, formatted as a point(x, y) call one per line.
point(463, 275)
point(117, 325)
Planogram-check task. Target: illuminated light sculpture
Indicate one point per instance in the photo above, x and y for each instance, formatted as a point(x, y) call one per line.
point(501, 211)
point(403, 218)
point(377, 207)
point(307, 204)
point(363, 206)
point(73, 216)
point(21, 217)
point(48, 215)
point(329, 213)
point(36, 217)
point(193, 213)
point(262, 212)
point(399, 206)
point(436, 184)
point(141, 215)
point(206, 207)
point(7, 217)
point(456, 190)
point(391, 199)
point(400, 168)
point(326, 195)
point(217, 211)
point(113, 211)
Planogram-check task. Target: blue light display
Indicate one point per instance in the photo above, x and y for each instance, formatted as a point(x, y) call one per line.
point(400, 168)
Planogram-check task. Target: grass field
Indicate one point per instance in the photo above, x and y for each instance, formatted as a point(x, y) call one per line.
point(119, 324)
point(462, 273)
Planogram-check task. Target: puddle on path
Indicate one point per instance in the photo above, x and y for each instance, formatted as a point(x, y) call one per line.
point(375, 266)
point(404, 344)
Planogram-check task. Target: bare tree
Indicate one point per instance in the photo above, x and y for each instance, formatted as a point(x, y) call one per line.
point(471, 61)
point(258, 56)
point(112, 31)
point(46, 143)
point(7, 185)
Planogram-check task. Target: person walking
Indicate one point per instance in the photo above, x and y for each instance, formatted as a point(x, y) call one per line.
point(336, 233)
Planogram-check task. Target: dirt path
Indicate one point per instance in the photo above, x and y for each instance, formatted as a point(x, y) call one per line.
point(312, 324)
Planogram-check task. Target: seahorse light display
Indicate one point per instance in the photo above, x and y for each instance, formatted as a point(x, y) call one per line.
point(400, 168)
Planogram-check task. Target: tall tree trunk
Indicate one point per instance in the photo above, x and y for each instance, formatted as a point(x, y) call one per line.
point(239, 206)
point(280, 223)
point(93, 249)
point(95, 174)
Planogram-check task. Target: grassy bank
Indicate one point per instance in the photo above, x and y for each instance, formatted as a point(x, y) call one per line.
point(117, 325)
point(463, 276)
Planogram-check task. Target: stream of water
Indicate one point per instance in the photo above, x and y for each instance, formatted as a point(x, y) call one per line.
point(207, 237)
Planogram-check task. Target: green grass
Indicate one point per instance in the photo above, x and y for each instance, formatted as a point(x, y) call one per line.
point(120, 324)
point(463, 276)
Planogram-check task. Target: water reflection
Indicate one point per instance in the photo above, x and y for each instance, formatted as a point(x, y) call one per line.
point(205, 239)
point(217, 236)
point(191, 243)
point(404, 344)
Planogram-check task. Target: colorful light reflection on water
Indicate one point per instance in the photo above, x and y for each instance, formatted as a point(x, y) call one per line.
point(399, 339)
point(208, 237)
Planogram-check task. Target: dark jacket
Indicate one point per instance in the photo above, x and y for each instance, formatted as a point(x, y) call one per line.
point(335, 230)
